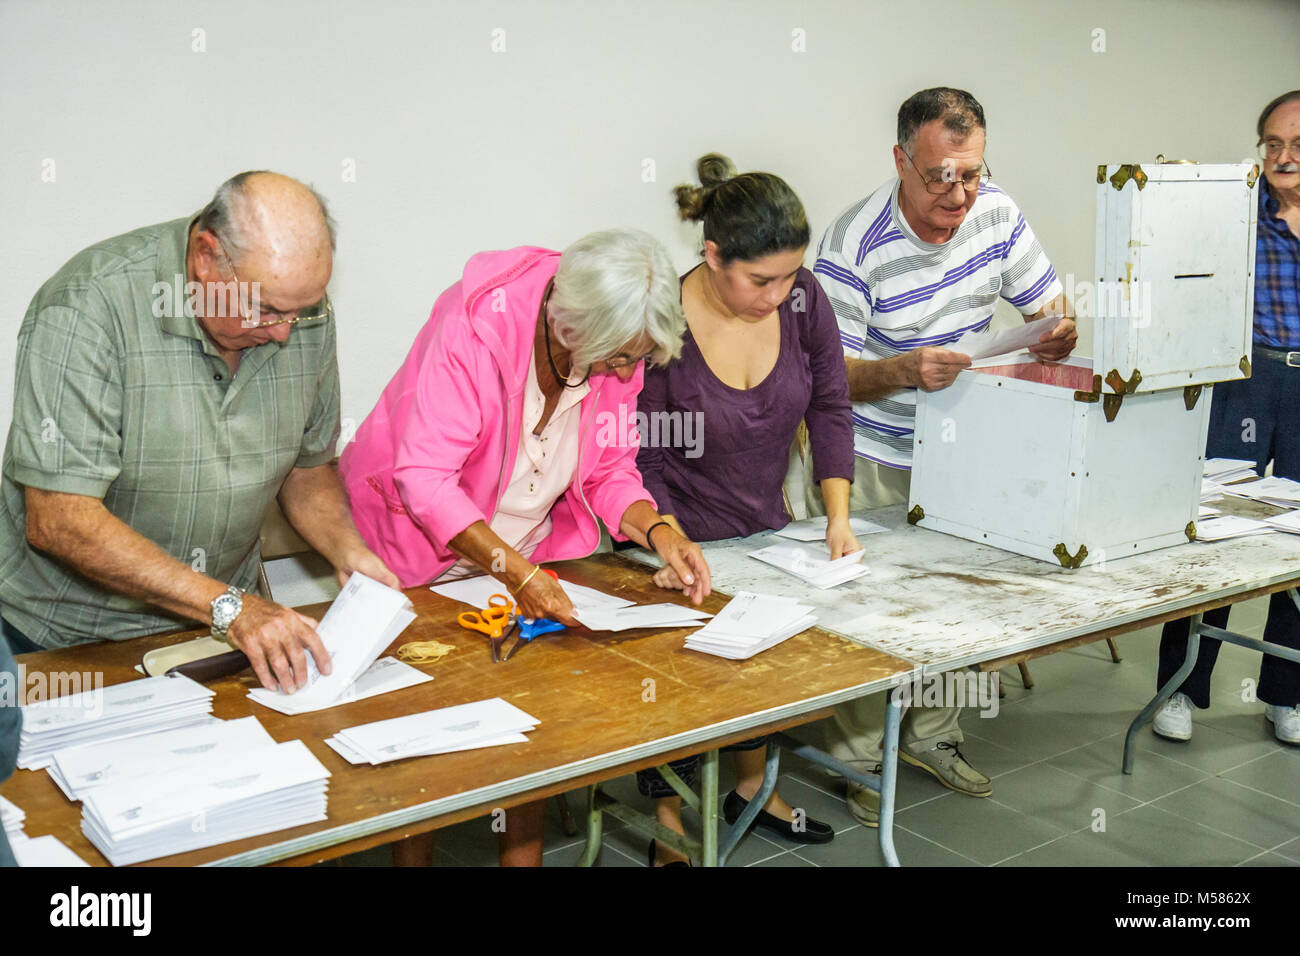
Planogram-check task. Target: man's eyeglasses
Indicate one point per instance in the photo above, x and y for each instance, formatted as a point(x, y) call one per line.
point(324, 309)
point(1271, 149)
point(937, 187)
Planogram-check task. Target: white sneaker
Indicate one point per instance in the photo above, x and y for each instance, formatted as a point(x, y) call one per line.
point(1174, 718)
point(1286, 722)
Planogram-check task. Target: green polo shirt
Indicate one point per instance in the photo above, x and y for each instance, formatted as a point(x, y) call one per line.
point(119, 395)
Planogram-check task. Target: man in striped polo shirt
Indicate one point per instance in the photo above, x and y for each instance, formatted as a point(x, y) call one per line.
point(909, 270)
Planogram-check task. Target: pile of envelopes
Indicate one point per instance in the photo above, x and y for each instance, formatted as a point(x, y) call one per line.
point(751, 623)
point(483, 723)
point(212, 799)
point(122, 710)
point(812, 564)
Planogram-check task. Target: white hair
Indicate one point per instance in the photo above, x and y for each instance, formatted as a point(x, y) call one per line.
point(611, 288)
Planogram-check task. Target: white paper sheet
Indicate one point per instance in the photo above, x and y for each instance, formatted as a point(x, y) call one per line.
point(11, 817)
point(478, 590)
point(640, 615)
point(982, 345)
point(44, 851)
point(814, 529)
point(382, 677)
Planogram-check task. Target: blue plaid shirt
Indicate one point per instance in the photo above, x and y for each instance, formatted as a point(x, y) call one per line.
point(1277, 277)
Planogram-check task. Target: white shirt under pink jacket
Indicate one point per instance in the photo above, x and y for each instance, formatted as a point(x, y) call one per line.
point(437, 452)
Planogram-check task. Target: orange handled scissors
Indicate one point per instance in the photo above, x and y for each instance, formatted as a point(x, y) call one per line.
point(491, 620)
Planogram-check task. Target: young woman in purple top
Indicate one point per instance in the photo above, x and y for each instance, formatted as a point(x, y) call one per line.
point(762, 352)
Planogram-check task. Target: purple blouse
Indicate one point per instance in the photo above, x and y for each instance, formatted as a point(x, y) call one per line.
point(715, 457)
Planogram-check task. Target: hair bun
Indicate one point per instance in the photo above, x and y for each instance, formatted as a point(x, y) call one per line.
point(714, 169)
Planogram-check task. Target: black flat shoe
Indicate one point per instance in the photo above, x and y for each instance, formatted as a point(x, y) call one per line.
point(682, 863)
point(812, 831)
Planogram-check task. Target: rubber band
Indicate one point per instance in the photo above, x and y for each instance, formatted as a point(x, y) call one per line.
point(423, 652)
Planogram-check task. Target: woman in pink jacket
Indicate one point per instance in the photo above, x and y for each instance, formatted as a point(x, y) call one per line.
point(508, 431)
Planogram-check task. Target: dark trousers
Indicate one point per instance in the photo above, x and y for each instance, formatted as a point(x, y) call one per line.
point(1257, 419)
point(1279, 680)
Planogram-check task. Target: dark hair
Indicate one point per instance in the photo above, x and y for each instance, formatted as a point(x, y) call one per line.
point(1285, 98)
point(961, 113)
point(749, 216)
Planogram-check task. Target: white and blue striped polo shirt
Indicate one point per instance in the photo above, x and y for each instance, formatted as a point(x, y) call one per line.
point(892, 292)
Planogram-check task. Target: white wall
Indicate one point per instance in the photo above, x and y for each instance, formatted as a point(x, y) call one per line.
point(458, 148)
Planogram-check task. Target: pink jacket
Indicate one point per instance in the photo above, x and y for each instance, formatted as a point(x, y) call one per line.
point(435, 454)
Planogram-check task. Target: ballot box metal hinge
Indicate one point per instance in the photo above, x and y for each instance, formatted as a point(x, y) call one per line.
point(1125, 172)
point(916, 514)
point(1191, 394)
point(1068, 560)
point(1121, 385)
point(1190, 531)
point(1110, 401)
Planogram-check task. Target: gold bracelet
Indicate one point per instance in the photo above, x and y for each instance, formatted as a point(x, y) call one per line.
point(524, 583)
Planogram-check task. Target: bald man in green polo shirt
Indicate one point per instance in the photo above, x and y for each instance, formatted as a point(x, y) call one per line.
point(170, 383)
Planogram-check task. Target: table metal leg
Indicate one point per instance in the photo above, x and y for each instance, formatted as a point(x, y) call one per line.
point(883, 783)
point(771, 771)
point(889, 775)
point(709, 808)
point(593, 829)
point(1165, 692)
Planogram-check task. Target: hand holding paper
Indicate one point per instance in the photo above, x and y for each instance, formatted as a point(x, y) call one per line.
point(982, 345)
point(363, 620)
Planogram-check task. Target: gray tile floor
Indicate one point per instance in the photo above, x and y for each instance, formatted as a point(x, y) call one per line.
point(1230, 796)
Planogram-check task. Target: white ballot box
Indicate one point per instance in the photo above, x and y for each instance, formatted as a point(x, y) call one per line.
point(1089, 460)
point(1174, 297)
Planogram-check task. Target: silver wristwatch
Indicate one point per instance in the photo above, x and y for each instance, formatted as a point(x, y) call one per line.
point(225, 608)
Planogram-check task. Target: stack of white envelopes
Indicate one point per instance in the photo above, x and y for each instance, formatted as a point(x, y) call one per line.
point(11, 819)
point(751, 623)
point(216, 800)
point(812, 564)
point(1289, 522)
point(1226, 470)
point(123, 710)
point(484, 723)
point(363, 620)
point(1279, 492)
point(1224, 527)
point(79, 770)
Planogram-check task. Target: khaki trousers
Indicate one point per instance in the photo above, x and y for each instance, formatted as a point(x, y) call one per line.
point(856, 733)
